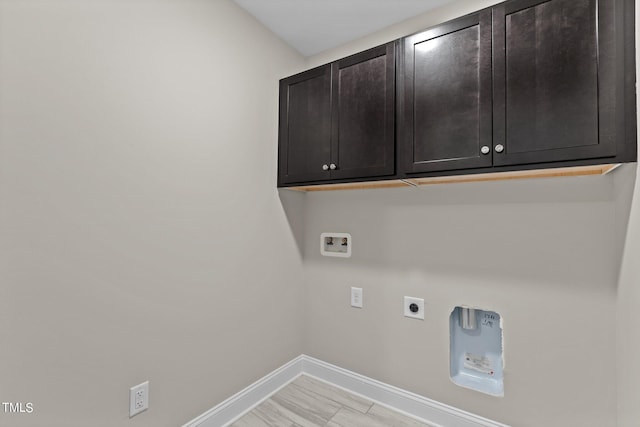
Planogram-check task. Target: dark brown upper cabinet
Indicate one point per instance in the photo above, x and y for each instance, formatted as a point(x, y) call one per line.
point(555, 87)
point(526, 82)
point(445, 112)
point(522, 85)
point(338, 121)
point(305, 126)
point(363, 114)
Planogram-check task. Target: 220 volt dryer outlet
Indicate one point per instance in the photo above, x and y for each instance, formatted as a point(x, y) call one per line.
point(414, 308)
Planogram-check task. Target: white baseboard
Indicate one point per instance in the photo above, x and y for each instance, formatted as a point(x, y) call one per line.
point(411, 404)
point(242, 402)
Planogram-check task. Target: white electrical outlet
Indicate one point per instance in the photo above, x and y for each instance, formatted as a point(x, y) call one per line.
point(356, 297)
point(138, 398)
point(414, 308)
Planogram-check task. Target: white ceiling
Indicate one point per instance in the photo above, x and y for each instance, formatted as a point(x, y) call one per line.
point(311, 26)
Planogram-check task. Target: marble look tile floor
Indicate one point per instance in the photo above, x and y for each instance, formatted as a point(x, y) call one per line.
point(307, 402)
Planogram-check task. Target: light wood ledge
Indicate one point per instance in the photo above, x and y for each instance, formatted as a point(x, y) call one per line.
point(494, 176)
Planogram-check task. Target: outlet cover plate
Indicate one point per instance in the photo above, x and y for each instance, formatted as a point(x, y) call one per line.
point(356, 297)
point(138, 398)
point(417, 301)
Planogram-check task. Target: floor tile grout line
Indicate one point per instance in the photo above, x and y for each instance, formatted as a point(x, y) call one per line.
point(297, 388)
point(323, 394)
point(334, 414)
point(369, 410)
point(340, 403)
point(318, 395)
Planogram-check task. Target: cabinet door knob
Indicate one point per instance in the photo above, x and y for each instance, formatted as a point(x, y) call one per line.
point(332, 166)
point(325, 167)
point(499, 148)
point(485, 149)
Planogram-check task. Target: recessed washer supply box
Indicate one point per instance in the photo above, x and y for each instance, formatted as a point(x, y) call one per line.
point(476, 350)
point(335, 244)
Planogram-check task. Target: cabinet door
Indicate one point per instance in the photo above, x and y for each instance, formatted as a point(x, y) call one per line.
point(445, 122)
point(363, 114)
point(554, 80)
point(305, 127)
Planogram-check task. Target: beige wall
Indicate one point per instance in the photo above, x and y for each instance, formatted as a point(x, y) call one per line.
point(393, 32)
point(142, 237)
point(628, 347)
point(629, 289)
point(141, 232)
point(544, 254)
point(540, 253)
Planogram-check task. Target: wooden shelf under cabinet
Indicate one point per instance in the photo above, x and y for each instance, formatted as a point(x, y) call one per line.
point(496, 176)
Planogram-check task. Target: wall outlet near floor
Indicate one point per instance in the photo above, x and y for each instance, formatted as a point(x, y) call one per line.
point(138, 398)
point(414, 308)
point(356, 297)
